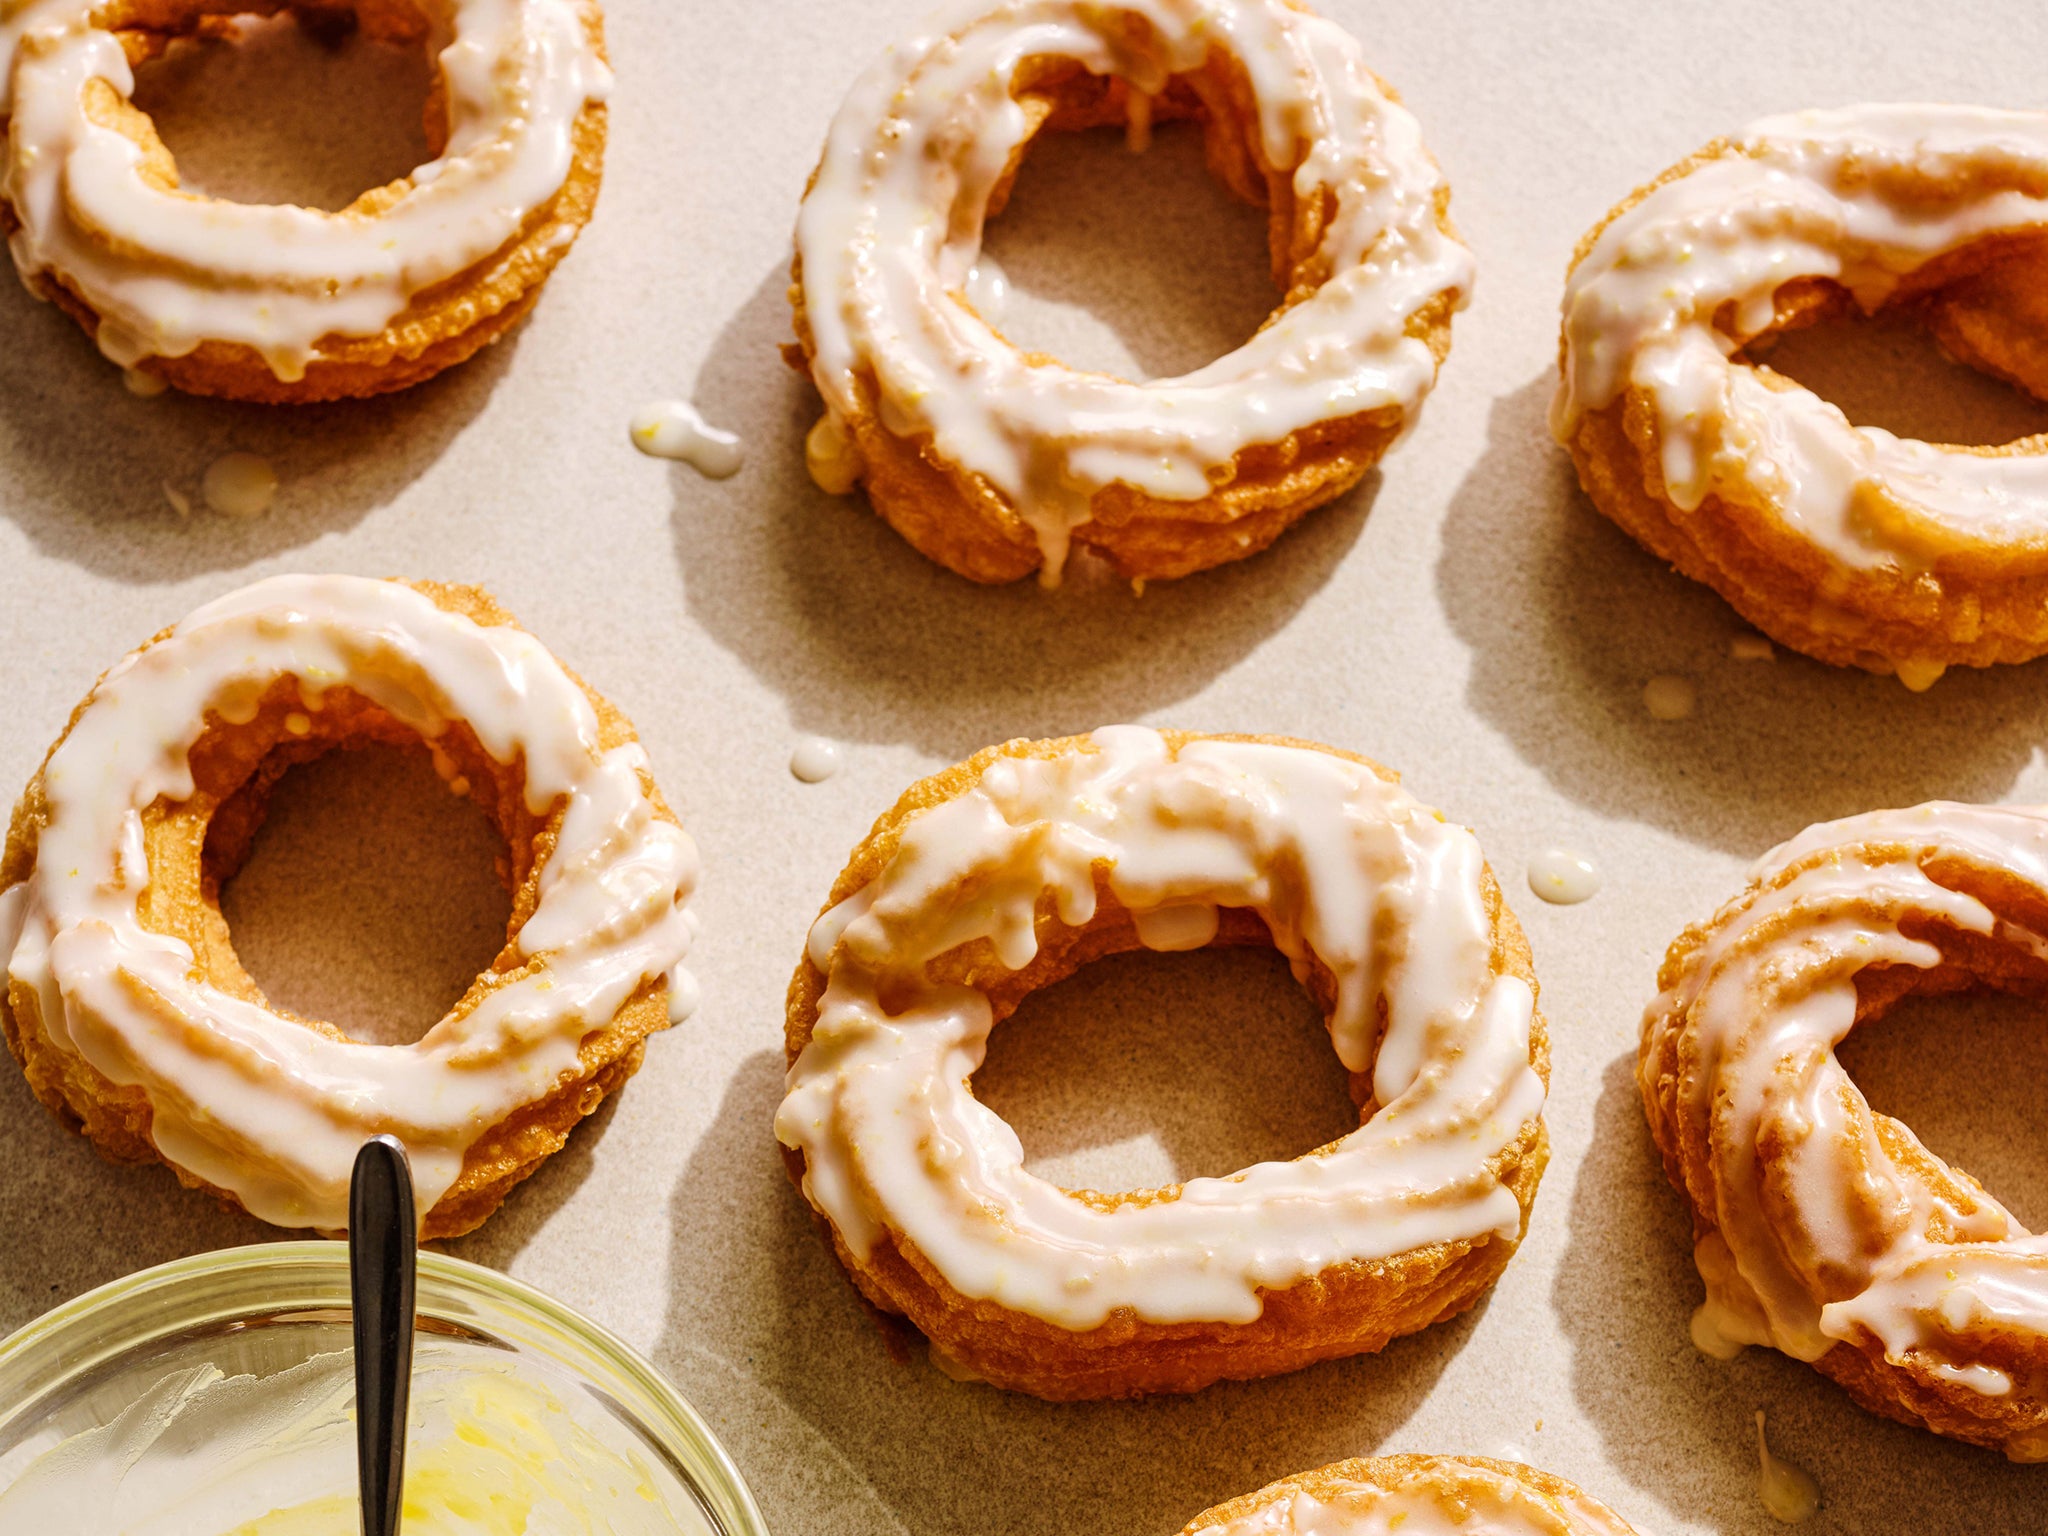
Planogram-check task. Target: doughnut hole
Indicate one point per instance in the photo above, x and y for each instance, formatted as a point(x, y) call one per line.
point(311, 104)
point(1963, 1069)
point(1190, 248)
point(1960, 357)
point(1138, 264)
point(1097, 1141)
point(347, 874)
point(1145, 1069)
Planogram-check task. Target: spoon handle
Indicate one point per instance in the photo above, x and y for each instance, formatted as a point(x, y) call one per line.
point(382, 1255)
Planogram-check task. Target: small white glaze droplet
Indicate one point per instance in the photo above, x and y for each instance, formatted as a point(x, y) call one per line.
point(1919, 676)
point(673, 429)
point(1669, 697)
point(239, 485)
point(988, 289)
point(141, 382)
point(1751, 648)
point(1565, 878)
point(683, 995)
point(1188, 925)
point(832, 457)
point(1789, 1493)
point(815, 759)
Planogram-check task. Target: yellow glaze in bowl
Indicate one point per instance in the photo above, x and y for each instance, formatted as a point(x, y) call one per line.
point(216, 1395)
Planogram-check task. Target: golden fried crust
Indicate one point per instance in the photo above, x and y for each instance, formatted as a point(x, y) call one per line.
point(1453, 1477)
point(1347, 1309)
point(445, 324)
point(958, 519)
point(1987, 305)
point(196, 845)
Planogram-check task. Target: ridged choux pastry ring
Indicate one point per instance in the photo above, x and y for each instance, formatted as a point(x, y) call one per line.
point(1825, 1229)
point(283, 303)
point(1009, 871)
point(123, 997)
point(1847, 543)
point(1414, 1496)
point(993, 460)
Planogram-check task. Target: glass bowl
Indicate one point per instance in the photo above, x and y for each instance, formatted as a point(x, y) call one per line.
point(262, 1311)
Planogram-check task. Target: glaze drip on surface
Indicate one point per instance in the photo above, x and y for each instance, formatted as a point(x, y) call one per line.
point(1788, 1493)
point(814, 759)
point(254, 1103)
point(1564, 878)
point(1863, 197)
point(1345, 868)
point(675, 429)
point(239, 485)
point(890, 237)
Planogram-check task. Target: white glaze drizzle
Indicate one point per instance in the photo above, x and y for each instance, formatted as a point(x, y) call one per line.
point(988, 289)
point(832, 457)
point(675, 429)
point(1342, 865)
point(1762, 1005)
point(254, 1103)
point(891, 230)
point(167, 271)
point(1856, 196)
point(1450, 1499)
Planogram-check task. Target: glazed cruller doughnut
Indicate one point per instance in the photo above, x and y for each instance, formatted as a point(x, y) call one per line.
point(1822, 1228)
point(285, 303)
point(993, 461)
point(1009, 871)
point(1847, 543)
point(123, 997)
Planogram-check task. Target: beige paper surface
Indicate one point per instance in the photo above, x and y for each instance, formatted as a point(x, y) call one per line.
point(1465, 617)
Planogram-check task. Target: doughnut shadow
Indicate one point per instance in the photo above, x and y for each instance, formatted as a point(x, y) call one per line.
point(91, 461)
point(868, 641)
point(1567, 618)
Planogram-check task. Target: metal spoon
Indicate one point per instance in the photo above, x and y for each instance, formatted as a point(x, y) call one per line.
point(382, 1257)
